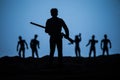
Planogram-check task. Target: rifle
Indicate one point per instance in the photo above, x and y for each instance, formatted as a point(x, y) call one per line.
point(66, 37)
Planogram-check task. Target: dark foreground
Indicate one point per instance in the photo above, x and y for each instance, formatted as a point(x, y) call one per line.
point(103, 67)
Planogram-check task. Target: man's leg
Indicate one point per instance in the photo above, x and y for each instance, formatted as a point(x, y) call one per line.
point(32, 53)
point(36, 53)
point(23, 53)
point(59, 47)
point(76, 51)
point(19, 53)
point(107, 51)
point(52, 49)
point(103, 51)
point(90, 52)
point(94, 50)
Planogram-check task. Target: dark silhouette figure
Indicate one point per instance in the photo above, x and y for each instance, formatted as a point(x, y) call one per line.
point(34, 44)
point(77, 48)
point(104, 45)
point(54, 27)
point(21, 45)
point(92, 47)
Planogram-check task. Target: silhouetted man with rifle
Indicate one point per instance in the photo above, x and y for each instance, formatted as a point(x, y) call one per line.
point(54, 27)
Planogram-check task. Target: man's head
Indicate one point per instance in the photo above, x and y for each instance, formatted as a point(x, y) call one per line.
point(105, 36)
point(93, 36)
point(76, 37)
point(54, 12)
point(20, 37)
point(35, 36)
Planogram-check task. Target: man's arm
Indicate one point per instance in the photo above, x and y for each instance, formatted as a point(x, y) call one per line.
point(47, 27)
point(80, 36)
point(31, 44)
point(38, 44)
point(110, 44)
point(88, 43)
point(17, 46)
point(26, 44)
point(101, 44)
point(66, 29)
point(96, 41)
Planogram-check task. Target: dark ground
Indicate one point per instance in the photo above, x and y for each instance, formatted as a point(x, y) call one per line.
point(103, 67)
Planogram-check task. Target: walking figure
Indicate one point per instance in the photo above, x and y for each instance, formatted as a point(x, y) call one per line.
point(54, 27)
point(77, 48)
point(21, 45)
point(92, 47)
point(104, 45)
point(34, 44)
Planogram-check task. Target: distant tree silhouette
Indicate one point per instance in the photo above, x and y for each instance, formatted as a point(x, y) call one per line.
point(92, 47)
point(77, 48)
point(21, 47)
point(34, 44)
point(104, 45)
point(54, 27)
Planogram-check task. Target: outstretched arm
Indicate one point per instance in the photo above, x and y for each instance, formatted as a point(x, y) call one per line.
point(88, 43)
point(96, 41)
